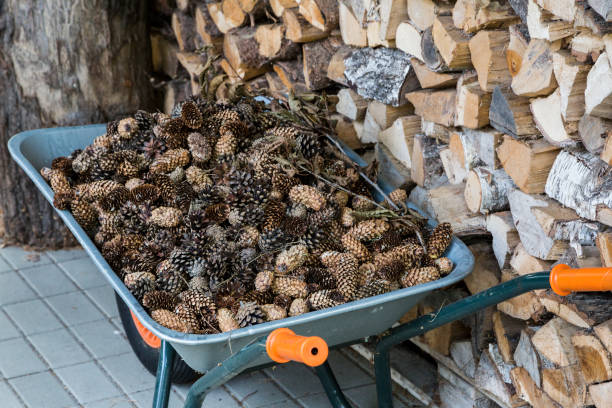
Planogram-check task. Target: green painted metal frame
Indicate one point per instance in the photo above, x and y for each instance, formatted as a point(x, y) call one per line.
point(234, 365)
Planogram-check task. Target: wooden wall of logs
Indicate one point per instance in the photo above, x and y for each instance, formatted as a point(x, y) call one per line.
point(496, 114)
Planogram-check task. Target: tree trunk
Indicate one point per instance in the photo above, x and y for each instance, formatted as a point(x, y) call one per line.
point(87, 65)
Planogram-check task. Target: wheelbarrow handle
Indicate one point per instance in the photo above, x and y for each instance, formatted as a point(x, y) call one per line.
point(283, 345)
point(565, 280)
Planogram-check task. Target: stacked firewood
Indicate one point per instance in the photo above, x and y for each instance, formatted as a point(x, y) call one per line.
point(496, 115)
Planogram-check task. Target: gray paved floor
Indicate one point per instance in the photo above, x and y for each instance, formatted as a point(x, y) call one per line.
point(62, 345)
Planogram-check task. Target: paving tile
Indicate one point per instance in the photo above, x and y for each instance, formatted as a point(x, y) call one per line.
point(84, 272)
point(101, 338)
point(42, 390)
point(365, 397)
point(128, 372)
point(8, 397)
point(4, 266)
point(315, 401)
point(282, 404)
point(347, 372)
point(63, 255)
point(13, 289)
point(80, 380)
point(59, 348)
point(48, 280)
point(104, 298)
point(296, 379)
point(255, 390)
point(17, 358)
point(116, 402)
point(144, 399)
point(7, 329)
point(74, 308)
point(33, 316)
point(19, 258)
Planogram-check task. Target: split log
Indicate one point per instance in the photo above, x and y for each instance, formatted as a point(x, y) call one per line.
point(587, 19)
point(351, 105)
point(593, 132)
point(231, 73)
point(488, 378)
point(252, 7)
point(487, 53)
point(435, 130)
point(547, 117)
point(572, 79)
point(452, 43)
point(291, 74)
point(399, 138)
point(215, 11)
point(383, 74)
point(279, 6)
point(527, 162)
point(163, 55)
point(580, 309)
point(454, 392)
point(554, 341)
point(431, 55)
point(524, 263)
point(273, 45)
point(408, 39)
point(316, 57)
point(526, 357)
point(391, 170)
point(565, 386)
point(454, 170)
point(385, 115)
point(321, 14)
point(441, 338)
point(463, 355)
point(505, 237)
point(193, 63)
point(487, 190)
point(473, 106)
point(374, 38)
point(507, 333)
point(443, 100)
point(543, 25)
point(183, 26)
point(603, 8)
point(502, 367)
point(536, 75)
point(545, 227)
point(371, 129)
point(441, 202)
point(520, 9)
point(601, 394)
point(473, 15)
point(586, 47)
point(351, 30)
point(241, 51)
point(206, 27)
point(562, 9)
point(431, 79)
point(175, 91)
point(606, 153)
point(275, 85)
point(516, 47)
point(335, 69)
point(598, 93)
point(528, 390)
point(604, 333)
point(593, 358)
point(604, 244)
point(511, 114)
point(233, 14)
point(425, 164)
point(523, 307)
point(345, 131)
point(392, 13)
point(475, 148)
point(423, 12)
point(578, 180)
point(298, 30)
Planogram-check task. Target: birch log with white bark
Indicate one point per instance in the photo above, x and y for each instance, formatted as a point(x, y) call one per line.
point(487, 190)
point(582, 182)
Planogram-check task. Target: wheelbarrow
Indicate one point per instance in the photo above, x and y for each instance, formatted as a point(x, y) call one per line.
point(223, 356)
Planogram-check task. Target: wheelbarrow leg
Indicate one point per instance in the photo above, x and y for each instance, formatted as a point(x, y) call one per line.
point(447, 314)
point(330, 384)
point(164, 371)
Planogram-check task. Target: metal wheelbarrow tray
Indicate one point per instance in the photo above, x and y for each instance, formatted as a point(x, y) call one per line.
point(347, 323)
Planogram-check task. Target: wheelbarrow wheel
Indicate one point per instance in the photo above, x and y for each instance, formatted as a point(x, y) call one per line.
point(148, 355)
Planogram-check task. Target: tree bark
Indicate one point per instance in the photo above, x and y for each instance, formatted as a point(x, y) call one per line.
point(87, 65)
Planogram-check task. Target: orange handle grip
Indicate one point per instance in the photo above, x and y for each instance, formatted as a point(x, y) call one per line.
point(283, 345)
point(564, 280)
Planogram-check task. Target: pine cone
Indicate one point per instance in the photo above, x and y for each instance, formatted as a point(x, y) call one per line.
point(346, 217)
point(409, 254)
point(59, 182)
point(324, 299)
point(369, 229)
point(191, 115)
point(188, 317)
point(289, 286)
point(159, 299)
point(197, 301)
point(249, 313)
point(273, 312)
point(139, 283)
point(170, 160)
point(298, 306)
point(170, 320)
point(391, 271)
point(308, 144)
point(290, 259)
point(445, 265)
point(248, 237)
point(199, 283)
point(99, 189)
point(417, 276)
point(261, 298)
point(200, 147)
point(62, 201)
point(198, 179)
point(355, 247)
point(307, 195)
point(273, 215)
point(398, 196)
point(84, 213)
point(282, 301)
point(225, 148)
point(166, 217)
point(361, 204)
point(272, 240)
point(227, 321)
point(439, 239)
point(366, 273)
point(374, 288)
point(145, 193)
point(263, 280)
point(217, 212)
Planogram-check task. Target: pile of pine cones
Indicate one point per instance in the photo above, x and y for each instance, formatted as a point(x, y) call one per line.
point(224, 215)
